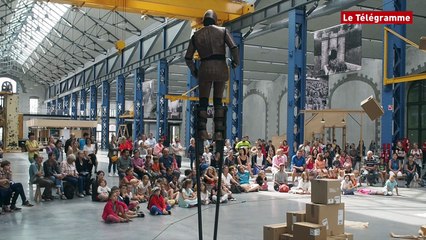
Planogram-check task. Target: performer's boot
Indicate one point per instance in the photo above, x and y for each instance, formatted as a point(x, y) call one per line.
point(202, 123)
point(220, 122)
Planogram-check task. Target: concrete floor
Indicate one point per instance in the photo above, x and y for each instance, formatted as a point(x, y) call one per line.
point(242, 219)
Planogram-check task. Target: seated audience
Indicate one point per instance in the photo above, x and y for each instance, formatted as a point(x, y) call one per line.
point(157, 204)
point(244, 180)
point(103, 190)
point(112, 210)
point(395, 166)
point(187, 197)
point(303, 186)
point(410, 170)
point(277, 160)
point(53, 172)
point(71, 174)
point(280, 178)
point(298, 164)
point(37, 177)
point(347, 186)
point(123, 163)
point(9, 187)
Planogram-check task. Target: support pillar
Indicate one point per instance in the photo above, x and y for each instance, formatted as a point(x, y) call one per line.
point(190, 120)
point(105, 114)
point(66, 105)
point(121, 84)
point(83, 103)
point(74, 100)
point(297, 32)
point(393, 121)
point(60, 109)
point(162, 102)
point(234, 119)
point(138, 123)
point(54, 107)
point(49, 108)
point(93, 106)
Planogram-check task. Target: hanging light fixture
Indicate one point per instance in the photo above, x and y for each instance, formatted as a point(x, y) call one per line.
point(322, 120)
point(343, 121)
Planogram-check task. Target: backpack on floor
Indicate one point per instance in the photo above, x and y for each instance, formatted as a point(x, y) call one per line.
point(69, 191)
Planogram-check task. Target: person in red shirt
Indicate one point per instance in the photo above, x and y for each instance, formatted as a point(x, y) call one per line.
point(284, 147)
point(156, 203)
point(112, 209)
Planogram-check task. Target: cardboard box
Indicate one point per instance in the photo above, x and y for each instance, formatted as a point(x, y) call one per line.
point(331, 216)
point(273, 231)
point(286, 236)
point(294, 217)
point(325, 191)
point(373, 109)
point(345, 236)
point(309, 231)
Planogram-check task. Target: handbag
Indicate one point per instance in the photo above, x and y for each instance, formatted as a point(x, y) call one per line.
point(114, 159)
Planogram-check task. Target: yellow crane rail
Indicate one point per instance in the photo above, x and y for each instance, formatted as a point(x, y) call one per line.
point(192, 10)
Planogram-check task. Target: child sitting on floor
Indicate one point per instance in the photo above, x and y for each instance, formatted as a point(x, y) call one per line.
point(144, 188)
point(262, 181)
point(303, 186)
point(346, 186)
point(103, 191)
point(187, 197)
point(112, 210)
point(156, 203)
point(205, 195)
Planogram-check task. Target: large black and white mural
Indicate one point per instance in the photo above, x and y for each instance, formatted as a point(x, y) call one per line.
point(316, 90)
point(337, 49)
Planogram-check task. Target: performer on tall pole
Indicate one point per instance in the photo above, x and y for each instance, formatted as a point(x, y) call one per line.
point(210, 42)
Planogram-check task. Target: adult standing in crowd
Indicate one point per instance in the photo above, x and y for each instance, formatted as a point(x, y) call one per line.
point(82, 141)
point(32, 147)
point(191, 152)
point(178, 150)
point(68, 142)
point(113, 156)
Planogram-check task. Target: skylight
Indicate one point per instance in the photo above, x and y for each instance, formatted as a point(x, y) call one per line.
point(38, 22)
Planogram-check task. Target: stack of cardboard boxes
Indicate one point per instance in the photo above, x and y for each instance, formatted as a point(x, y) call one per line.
point(324, 218)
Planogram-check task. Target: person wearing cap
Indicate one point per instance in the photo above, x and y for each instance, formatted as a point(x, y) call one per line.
point(156, 203)
point(210, 42)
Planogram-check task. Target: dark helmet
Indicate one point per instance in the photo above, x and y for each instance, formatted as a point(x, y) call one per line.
point(210, 18)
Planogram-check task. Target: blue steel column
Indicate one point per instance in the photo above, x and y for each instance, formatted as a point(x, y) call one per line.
point(394, 94)
point(49, 108)
point(121, 84)
point(93, 103)
point(105, 114)
point(59, 104)
point(66, 105)
point(54, 107)
point(297, 32)
point(74, 100)
point(234, 118)
point(162, 102)
point(190, 123)
point(138, 123)
point(83, 103)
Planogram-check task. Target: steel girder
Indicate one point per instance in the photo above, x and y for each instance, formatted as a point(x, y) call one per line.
point(274, 10)
point(105, 114)
point(234, 118)
point(138, 110)
point(74, 100)
point(83, 103)
point(93, 103)
point(190, 120)
point(162, 102)
point(393, 96)
point(59, 106)
point(121, 103)
point(66, 105)
point(297, 31)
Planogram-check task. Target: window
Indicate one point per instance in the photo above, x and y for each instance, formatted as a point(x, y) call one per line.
point(416, 112)
point(33, 105)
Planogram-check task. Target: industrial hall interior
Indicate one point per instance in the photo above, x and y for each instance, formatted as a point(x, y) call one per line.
point(213, 119)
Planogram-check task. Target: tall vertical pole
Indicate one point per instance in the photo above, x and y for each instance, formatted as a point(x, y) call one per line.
point(93, 106)
point(393, 121)
point(83, 104)
point(74, 100)
point(234, 118)
point(66, 105)
point(297, 31)
point(162, 102)
point(138, 123)
point(121, 84)
point(59, 104)
point(105, 113)
point(190, 120)
point(49, 108)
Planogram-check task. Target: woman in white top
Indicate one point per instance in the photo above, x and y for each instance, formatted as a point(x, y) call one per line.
point(187, 197)
point(90, 153)
point(303, 186)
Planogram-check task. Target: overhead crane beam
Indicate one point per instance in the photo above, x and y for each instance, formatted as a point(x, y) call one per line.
point(193, 10)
